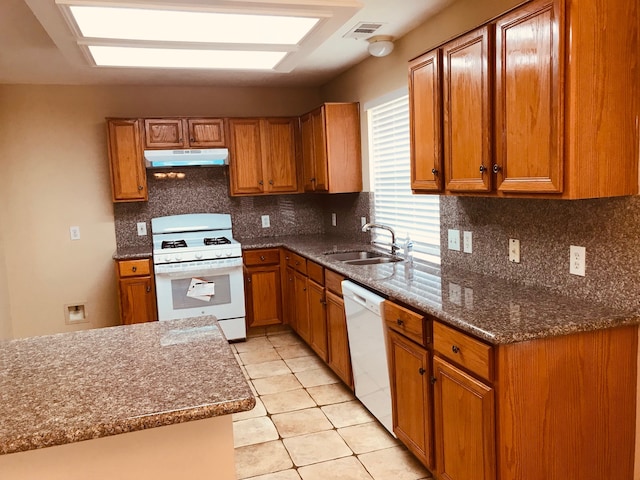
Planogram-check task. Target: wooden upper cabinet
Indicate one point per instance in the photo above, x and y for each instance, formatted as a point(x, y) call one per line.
point(206, 132)
point(168, 133)
point(467, 87)
point(529, 99)
point(263, 155)
point(425, 113)
point(331, 155)
point(128, 175)
point(163, 133)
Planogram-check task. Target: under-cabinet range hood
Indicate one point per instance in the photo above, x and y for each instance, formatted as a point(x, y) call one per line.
point(205, 157)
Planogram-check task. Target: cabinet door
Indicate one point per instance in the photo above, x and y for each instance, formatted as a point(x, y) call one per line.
point(128, 175)
point(464, 425)
point(308, 153)
point(245, 164)
point(206, 132)
point(529, 100)
point(263, 296)
point(302, 306)
point(164, 133)
point(467, 87)
point(338, 343)
point(425, 113)
point(320, 180)
point(410, 395)
point(289, 298)
point(279, 146)
point(317, 319)
point(137, 300)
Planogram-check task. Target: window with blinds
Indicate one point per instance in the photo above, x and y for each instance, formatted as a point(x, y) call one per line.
point(394, 204)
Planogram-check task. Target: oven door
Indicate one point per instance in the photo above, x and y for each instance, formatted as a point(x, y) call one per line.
point(174, 291)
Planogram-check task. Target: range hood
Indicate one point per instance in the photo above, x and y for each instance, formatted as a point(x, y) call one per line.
point(205, 157)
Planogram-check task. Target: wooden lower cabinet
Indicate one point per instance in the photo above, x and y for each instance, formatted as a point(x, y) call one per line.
point(301, 302)
point(317, 319)
point(338, 343)
point(464, 418)
point(136, 291)
point(411, 396)
point(262, 284)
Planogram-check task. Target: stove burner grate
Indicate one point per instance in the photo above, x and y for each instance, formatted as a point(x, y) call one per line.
point(217, 241)
point(173, 244)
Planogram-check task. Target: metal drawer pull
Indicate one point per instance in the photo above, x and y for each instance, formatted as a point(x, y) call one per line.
point(134, 269)
point(262, 257)
point(455, 349)
point(400, 322)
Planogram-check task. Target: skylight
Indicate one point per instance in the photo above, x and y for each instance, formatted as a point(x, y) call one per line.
point(165, 38)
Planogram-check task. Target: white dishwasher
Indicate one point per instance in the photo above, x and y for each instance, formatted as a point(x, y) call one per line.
point(368, 348)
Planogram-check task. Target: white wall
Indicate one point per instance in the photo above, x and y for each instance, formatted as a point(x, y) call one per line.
point(54, 174)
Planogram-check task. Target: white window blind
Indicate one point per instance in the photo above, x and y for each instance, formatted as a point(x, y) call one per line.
point(394, 204)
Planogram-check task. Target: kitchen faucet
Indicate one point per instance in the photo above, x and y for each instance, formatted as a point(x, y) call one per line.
point(394, 247)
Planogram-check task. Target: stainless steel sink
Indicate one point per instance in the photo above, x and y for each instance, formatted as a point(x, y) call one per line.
point(362, 257)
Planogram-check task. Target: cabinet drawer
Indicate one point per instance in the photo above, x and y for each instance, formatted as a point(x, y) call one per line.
point(296, 261)
point(472, 354)
point(134, 268)
point(267, 256)
point(406, 322)
point(333, 281)
point(315, 272)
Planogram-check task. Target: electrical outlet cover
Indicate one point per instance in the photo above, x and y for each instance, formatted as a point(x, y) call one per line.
point(514, 250)
point(454, 240)
point(266, 222)
point(467, 243)
point(577, 260)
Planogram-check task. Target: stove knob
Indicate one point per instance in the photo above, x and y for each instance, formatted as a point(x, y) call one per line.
point(199, 255)
point(167, 258)
point(228, 253)
point(178, 258)
point(218, 254)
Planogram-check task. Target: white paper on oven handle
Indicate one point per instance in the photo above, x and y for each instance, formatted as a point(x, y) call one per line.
point(201, 289)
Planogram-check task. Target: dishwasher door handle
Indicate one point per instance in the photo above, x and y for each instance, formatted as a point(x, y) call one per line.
point(358, 299)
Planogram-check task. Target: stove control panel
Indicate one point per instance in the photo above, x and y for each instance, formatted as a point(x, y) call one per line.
point(186, 255)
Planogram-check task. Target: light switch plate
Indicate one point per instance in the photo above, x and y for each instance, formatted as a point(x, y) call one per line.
point(514, 250)
point(467, 243)
point(454, 240)
point(266, 223)
point(142, 229)
point(334, 219)
point(74, 233)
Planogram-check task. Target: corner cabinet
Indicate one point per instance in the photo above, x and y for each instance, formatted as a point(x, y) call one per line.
point(136, 291)
point(263, 298)
point(565, 112)
point(128, 175)
point(264, 155)
point(331, 149)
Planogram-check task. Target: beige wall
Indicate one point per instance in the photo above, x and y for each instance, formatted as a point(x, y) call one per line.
point(55, 174)
point(375, 77)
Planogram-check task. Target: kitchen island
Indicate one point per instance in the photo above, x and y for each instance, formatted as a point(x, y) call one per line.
point(150, 400)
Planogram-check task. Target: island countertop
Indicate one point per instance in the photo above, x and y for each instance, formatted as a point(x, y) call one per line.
point(69, 387)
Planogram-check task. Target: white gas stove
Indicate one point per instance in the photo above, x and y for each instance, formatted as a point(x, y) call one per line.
point(198, 270)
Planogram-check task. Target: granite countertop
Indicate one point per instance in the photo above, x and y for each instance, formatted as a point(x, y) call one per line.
point(70, 387)
point(495, 310)
point(133, 253)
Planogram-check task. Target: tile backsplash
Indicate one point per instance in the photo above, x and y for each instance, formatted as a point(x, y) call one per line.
point(206, 190)
point(608, 228)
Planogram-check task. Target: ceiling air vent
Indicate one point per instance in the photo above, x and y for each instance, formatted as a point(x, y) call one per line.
point(363, 30)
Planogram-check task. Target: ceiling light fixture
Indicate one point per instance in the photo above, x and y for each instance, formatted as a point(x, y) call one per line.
point(380, 45)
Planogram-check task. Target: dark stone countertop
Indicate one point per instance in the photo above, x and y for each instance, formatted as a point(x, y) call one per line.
point(495, 310)
point(133, 253)
point(69, 387)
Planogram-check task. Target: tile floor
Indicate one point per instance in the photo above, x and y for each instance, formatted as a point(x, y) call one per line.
point(306, 424)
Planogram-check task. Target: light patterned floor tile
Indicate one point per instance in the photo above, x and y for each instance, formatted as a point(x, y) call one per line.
point(267, 369)
point(259, 356)
point(284, 339)
point(279, 383)
point(331, 393)
point(316, 376)
point(347, 414)
point(316, 447)
point(252, 343)
point(294, 351)
point(287, 401)
point(261, 459)
point(301, 422)
point(300, 364)
point(347, 468)
point(367, 437)
point(257, 411)
point(253, 430)
point(290, 474)
point(396, 463)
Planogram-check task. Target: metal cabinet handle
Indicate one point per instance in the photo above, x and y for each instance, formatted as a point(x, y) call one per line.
point(433, 380)
point(496, 168)
point(313, 180)
point(422, 371)
point(262, 258)
point(260, 182)
point(400, 322)
point(455, 349)
point(148, 289)
point(192, 139)
point(140, 187)
point(483, 169)
point(270, 182)
point(434, 171)
point(134, 269)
